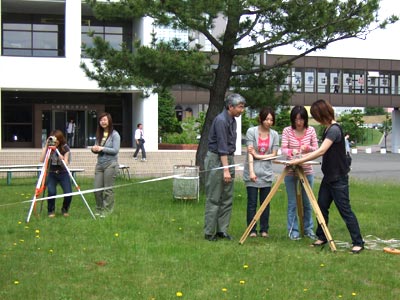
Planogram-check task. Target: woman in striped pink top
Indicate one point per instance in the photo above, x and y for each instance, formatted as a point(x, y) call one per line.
point(298, 139)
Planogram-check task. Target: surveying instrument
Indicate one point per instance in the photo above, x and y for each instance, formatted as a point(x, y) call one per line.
point(304, 182)
point(41, 183)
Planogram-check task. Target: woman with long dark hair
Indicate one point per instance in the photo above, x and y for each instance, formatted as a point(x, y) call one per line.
point(57, 173)
point(297, 140)
point(262, 143)
point(107, 147)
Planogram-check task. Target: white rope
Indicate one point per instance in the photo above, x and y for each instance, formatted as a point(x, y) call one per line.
point(371, 242)
point(112, 187)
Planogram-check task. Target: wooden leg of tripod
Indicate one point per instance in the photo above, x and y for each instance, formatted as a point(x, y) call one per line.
point(263, 206)
point(300, 210)
point(41, 183)
point(314, 204)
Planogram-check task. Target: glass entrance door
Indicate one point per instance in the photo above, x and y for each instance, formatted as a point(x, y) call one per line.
point(78, 126)
point(73, 124)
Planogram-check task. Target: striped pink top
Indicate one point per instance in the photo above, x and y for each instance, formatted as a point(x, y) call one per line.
point(290, 142)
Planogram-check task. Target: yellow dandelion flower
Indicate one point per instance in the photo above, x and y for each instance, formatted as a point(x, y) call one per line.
point(354, 294)
point(38, 237)
point(37, 231)
point(16, 282)
point(21, 241)
point(245, 266)
point(179, 294)
point(116, 234)
point(224, 289)
point(340, 296)
point(26, 227)
point(51, 251)
point(305, 290)
point(242, 282)
point(322, 265)
point(19, 222)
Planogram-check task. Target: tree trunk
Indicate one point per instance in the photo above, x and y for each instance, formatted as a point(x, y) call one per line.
point(216, 105)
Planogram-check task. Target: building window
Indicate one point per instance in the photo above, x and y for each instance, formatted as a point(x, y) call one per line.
point(378, 83)
point(322, 84)
point(17, 123)
point(309, 81)
point(33, 35)
point(116, 34)
point(335, 81)
point(395, 87)
point(359, 82)
point(297, 81)
point(348, 82)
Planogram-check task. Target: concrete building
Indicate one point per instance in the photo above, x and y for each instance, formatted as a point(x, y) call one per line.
point(42, 85)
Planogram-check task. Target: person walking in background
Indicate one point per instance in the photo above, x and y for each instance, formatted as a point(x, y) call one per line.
point(219, 177)
point(70, 132)
point(107, 148)
point(57, 173)
point(262, 143)
point(139, 138)
point(335, 182)
point(297, 140)
point(347, 143)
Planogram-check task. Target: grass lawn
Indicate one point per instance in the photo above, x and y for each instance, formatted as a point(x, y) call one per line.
point(152, 247)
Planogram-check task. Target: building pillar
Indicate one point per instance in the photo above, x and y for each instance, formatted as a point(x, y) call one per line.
point(73, 25)
point(395, 137)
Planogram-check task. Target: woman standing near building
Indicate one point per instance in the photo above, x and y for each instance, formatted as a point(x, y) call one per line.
point(335, 183)
point(299, 139)
point(262, 143)
point(107, 147)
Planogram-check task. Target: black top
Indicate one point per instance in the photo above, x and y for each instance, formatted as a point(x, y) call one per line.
point(55, 162)
point(334, 163)
point(222, 136)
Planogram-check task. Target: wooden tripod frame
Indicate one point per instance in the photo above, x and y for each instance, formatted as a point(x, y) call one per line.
point(303, 179)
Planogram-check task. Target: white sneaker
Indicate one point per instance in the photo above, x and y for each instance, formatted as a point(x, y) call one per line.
point(143, 159)
point(135, 158)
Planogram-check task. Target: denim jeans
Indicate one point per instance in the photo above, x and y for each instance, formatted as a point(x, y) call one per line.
point(292, 222)
point(64, 180)
point(252, 195)
point(338, 191)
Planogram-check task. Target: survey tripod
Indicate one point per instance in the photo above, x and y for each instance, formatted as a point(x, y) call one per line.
point(298, 170)
point(41, 183)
